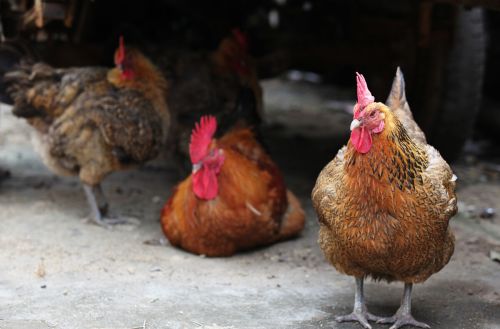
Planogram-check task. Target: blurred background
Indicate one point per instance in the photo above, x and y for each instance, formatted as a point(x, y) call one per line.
point(446, 48)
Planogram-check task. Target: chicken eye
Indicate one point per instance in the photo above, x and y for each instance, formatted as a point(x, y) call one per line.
point(372, 115)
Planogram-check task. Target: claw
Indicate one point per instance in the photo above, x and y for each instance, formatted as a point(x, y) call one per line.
point(108, 222)
point(99, 208)
point(372, 317)
point(360, 317)
point(403, 316)
point(360, 313)
point(403, 320)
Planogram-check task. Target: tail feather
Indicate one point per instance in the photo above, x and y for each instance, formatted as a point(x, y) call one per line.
point(398, 103)
point(294, 218)
point(245, 114)
point(11, 54)
point(26, 89)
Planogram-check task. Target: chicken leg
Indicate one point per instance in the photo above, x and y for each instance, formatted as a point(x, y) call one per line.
point(99, 206)
point(360, 313)
point(403, 316)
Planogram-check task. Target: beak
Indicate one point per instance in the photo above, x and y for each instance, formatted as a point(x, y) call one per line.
point(355, 124)
point(196, 167)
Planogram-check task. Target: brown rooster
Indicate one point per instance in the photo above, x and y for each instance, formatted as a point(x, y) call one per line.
point(235, 199)
point(209, 83)
point(93, 121)
point(202, 83)
point(384, 203)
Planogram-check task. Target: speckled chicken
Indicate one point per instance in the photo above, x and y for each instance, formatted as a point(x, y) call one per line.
point(93, 121)
point(384, 203)
point(234, 200)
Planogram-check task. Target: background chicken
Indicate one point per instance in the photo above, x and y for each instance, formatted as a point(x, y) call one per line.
point(93, 121)
point(203, 83)
point(235, 199)
point(385, 201)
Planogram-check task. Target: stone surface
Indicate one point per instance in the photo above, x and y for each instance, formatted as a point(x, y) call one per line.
point(58, 271)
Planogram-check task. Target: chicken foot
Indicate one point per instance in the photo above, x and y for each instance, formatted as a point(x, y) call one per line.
point(360, 313)
point(403, 315)
point(99, 207)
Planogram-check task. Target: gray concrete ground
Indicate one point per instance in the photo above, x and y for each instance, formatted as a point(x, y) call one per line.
point(58, 271)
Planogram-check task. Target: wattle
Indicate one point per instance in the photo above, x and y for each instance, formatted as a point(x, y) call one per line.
point(205, 184)
point(361, 139)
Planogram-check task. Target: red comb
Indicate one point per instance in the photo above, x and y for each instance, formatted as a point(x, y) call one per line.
point(241, 38)
point(365, 97)
point(201, 137)
point(120, 55)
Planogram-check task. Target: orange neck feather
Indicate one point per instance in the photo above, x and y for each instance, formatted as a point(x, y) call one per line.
point(147, 79)
point(394, 160)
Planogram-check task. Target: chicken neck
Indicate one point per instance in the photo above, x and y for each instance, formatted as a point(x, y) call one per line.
point(394, 159)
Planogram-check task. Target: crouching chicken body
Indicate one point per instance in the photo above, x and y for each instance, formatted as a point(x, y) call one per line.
point(93, 121)
point(235, 199)
point(384, 202)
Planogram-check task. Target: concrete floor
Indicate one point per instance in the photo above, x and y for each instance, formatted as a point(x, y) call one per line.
point(58, 271)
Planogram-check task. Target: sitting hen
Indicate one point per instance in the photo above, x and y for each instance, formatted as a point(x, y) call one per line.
point(93, 121)
point(234, 200)
point(384, 203)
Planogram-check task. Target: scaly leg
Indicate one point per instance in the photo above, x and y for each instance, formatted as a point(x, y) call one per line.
point(102, 203)
point(360, 313)
point(99, 207)
point(403, 316)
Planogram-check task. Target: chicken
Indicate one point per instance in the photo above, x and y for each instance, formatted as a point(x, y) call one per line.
point(234, 200)
point(209, 83)
point(384, 203)
point(204, 83)
point(93, 121)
